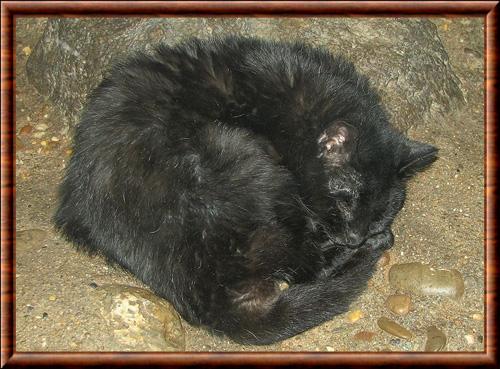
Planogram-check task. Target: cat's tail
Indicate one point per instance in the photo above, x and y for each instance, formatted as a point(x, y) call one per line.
point(301, 306)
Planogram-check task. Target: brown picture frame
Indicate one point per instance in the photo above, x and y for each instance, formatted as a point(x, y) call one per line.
point(12, 9)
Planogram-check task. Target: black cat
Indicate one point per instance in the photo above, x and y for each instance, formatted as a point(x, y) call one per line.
point(216, 170)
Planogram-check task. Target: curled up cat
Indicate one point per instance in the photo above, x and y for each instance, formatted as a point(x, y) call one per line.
point(219, 171)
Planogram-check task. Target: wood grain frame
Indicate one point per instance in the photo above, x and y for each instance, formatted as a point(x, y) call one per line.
point(488, 10)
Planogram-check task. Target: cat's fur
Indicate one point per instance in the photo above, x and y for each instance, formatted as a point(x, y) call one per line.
point(214, 170)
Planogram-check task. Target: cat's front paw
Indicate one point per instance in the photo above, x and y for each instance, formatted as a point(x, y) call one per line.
point(381, 241)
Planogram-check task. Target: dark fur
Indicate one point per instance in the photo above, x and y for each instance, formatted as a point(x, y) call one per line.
point(214, 170)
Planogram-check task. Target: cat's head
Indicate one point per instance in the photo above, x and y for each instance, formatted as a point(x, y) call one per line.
point(366, 172)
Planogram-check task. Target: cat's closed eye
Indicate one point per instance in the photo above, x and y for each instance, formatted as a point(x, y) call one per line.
point(344, 197)
point(342, 194)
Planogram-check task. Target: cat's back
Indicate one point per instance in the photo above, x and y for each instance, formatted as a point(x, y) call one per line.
point(150, 106)
point(224, 79)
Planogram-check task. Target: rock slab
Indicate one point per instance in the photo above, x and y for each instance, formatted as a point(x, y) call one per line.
point(139, 320)
point(403, 57)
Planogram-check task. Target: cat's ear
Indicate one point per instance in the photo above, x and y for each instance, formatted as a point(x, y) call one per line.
point(419, 157)
point(337, 142)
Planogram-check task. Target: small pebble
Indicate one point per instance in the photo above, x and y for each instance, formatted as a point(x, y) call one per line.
point(93, 285)
point(69, 152)
point(29, 307)
point(26, 129)
point(329, 348)
point(399, 304)
point(45, 315)
point(43, 143)
point(27, 50)
point(394, 328)
point(423, 279)
point(402, 345)
point(470, 339)
point(50, 146)
point(52, 298)
point(354, 316)
point(477, 316)
point(364, 336)
point(436, 340)
point(54, 138)
point(41, 127)
point(395, 341)
point(39, 134)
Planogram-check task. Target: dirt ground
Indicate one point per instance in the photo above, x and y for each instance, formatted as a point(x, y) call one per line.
point(441, 224)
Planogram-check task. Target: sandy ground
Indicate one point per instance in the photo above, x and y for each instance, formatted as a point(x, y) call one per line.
point(441, 224)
